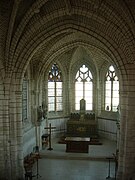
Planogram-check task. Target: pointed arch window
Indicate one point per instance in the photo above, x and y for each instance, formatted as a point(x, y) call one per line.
point(84, 88)
point(111, 90)
point(55, 97)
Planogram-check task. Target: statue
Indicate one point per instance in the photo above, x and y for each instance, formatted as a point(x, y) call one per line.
point(39, 113)
point(118, 117)
point(82, 109)
point(45, 109)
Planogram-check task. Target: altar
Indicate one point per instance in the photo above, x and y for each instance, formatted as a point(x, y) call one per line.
point(82, 124)
point(77, 144)
point(82, 129)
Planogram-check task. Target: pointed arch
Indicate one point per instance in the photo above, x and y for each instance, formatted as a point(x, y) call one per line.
point(55, 95)
point(111, 89)
point(84, 87)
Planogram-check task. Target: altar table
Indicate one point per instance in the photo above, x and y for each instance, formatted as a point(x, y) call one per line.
point(77, 144)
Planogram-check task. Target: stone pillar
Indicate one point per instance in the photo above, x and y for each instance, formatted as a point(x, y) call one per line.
point(122, 134)
point(11, 161)
point(126, 162)
point(5, 155)
point(37, 123)
point(16, 136)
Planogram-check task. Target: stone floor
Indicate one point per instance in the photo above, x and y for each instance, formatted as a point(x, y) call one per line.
point(60, 165)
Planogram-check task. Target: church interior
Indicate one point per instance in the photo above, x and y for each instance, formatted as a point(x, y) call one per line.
point(67, 84)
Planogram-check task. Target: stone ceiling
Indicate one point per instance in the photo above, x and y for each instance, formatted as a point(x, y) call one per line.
point(44, 30)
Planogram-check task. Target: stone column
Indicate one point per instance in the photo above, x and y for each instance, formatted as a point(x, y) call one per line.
point(5, 156)
point(126, 161)
point(16, 135)
point(11, 161)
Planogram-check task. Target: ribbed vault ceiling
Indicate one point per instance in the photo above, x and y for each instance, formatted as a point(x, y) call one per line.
point(45, 30)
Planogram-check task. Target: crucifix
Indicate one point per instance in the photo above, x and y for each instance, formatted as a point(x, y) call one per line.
point(50, 132)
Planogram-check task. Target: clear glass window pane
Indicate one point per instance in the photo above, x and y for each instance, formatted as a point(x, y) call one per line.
point(51, 107)
point(79, 86)
point(108, 100)
point(59, 92)
point(89, 100)
point(59, 107)
point(59, 85)
point(115, 101)
point(111, 90)
point(88, 86)
point(77, 106)
point(51, 92)
point(51, 100)
point(77, 100)
point(84, 88)
point(54, 89)
point(108, 93)
point(115, 85)
point(79, 94)
point(108, 85)
point(115, 94)
point(88, 106)
point(58, 99)
point(51, 85)
point(88, 94)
